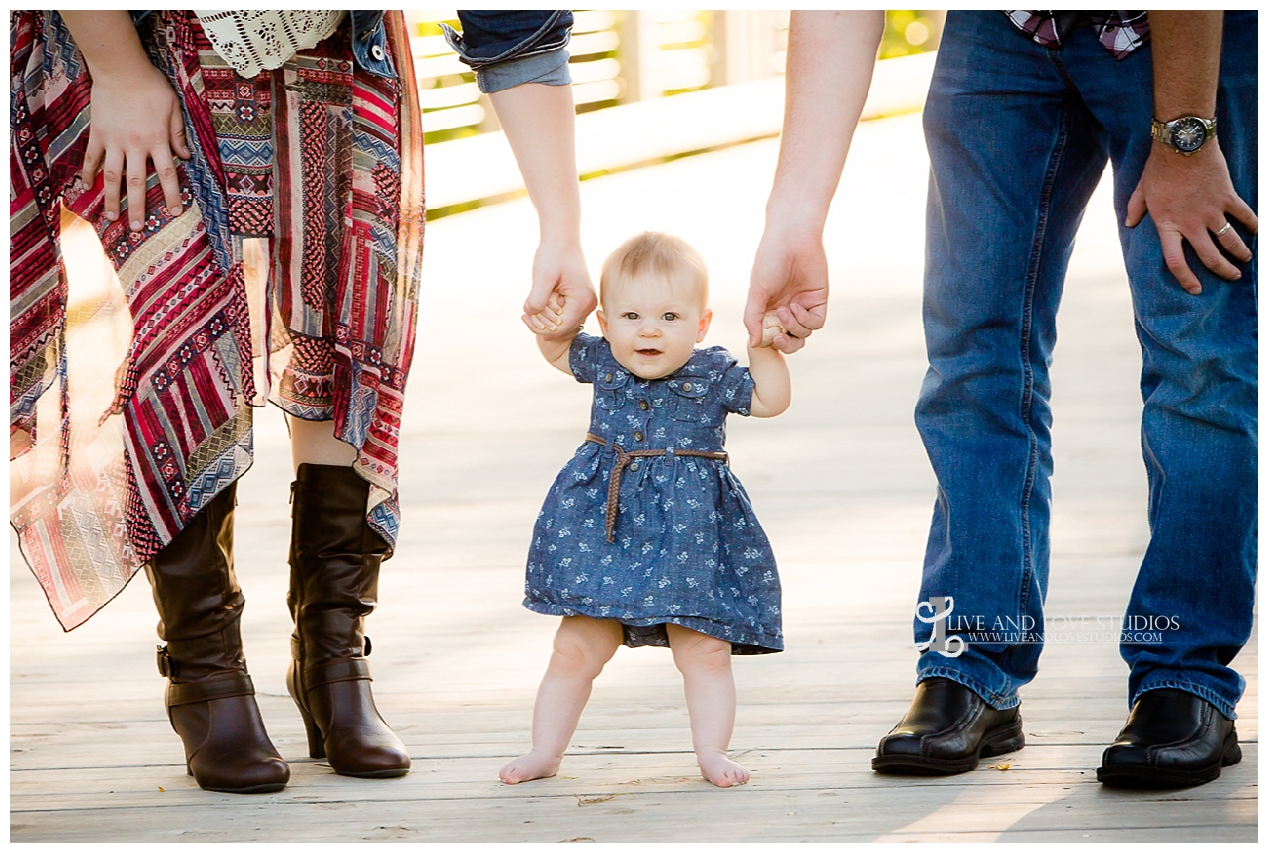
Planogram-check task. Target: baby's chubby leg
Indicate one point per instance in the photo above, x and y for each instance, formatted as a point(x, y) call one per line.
point(582, 646)
point(705, 664)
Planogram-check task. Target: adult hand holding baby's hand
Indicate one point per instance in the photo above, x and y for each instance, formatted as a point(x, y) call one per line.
point(546, 321)
point(771, 328)
point(790, 280)
point(562, 295)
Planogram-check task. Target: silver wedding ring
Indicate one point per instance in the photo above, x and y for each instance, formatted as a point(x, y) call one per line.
point(1224, 230)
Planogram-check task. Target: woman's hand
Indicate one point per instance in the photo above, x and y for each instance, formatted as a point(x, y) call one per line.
point(135, 116)
point(562, 295)
point(135, 119)
point(538, 122)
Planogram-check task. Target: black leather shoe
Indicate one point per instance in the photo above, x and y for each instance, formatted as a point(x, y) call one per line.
point(1172, 739)
point(947, 729)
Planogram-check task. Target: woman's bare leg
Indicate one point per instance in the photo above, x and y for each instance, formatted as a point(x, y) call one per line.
point(582, 646)
point(314, 442)
point(705, 664)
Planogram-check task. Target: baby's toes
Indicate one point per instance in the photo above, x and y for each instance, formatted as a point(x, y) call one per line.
point(517, 771)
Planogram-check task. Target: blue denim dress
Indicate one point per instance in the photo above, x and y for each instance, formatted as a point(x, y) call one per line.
point(686, 548)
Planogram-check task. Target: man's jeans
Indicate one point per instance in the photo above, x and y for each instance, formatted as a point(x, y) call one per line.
point(1018, 137)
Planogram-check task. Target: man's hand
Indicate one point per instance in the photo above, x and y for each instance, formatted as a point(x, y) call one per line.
point(1190, 198)
point(828, 70)
point(790, 278)
point(562, 295)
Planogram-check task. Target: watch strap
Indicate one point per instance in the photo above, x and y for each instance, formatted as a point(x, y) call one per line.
point(1161, 131)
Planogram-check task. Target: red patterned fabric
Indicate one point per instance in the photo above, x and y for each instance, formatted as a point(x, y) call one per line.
point(296, 157)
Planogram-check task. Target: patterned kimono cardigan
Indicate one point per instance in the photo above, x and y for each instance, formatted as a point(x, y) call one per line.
point(130, 405)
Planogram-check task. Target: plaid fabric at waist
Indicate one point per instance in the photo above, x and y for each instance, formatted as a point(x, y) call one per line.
point(1119, 32)
point(624, 458)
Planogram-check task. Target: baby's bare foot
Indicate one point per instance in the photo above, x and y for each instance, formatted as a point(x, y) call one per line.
point(715, 767)
point(531, 765)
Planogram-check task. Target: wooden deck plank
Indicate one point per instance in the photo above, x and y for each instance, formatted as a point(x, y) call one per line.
point(843, 489)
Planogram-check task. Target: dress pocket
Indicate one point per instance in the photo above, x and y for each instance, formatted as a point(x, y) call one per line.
point(686, 403)
point(609, 389)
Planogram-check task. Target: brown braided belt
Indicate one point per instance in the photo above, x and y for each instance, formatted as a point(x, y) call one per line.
point(623, 458)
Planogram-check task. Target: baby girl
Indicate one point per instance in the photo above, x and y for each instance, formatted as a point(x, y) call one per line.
point(646, 537)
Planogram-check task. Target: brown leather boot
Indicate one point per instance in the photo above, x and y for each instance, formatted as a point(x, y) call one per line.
point(210, 698)
point(335, 559)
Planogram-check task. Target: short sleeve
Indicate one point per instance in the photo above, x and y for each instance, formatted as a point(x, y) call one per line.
point(585, 355)
point(734, 383)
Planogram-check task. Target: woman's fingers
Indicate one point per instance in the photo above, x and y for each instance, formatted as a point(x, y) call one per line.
point(112, 178)
point(92, 161)
point(136, 189)
point(176, 134)
point(166, 170)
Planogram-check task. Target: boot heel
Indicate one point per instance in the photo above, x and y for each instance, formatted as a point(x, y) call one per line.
point(316, 743)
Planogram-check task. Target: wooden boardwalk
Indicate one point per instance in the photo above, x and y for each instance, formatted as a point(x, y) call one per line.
point(841, 485)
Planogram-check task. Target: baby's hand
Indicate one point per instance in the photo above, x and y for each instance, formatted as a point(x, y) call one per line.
point(770, 328)
point(546, 322)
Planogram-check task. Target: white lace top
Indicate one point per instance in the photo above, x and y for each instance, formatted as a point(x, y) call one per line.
point(253, 41)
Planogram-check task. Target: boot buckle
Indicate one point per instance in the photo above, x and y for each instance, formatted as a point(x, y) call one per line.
point(164, 661)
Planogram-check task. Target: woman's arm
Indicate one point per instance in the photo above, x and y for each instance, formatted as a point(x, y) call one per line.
point(538, 121)
point(772, 386)
point(135, 114)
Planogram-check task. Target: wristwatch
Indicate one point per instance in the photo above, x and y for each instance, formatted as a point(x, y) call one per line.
point(1186, 134)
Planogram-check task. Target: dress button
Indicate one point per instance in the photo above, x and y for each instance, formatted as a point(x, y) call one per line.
point(642, 404)
point(607, 378)
point(686, 386)
point(633, 466)
point(377, 52)
point(638, 436)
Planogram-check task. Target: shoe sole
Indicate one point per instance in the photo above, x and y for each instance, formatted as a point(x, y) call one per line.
point(1004, 739)
point(265, 788)
point(390, 773)
point(1133, 776)
point(270, 788)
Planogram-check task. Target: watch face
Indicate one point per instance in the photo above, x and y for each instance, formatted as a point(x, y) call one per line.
point(1188, 134)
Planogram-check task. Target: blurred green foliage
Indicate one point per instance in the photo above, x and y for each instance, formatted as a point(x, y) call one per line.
point(910, 31)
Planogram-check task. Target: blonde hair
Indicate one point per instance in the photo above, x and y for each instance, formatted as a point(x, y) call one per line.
point(658, 254)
